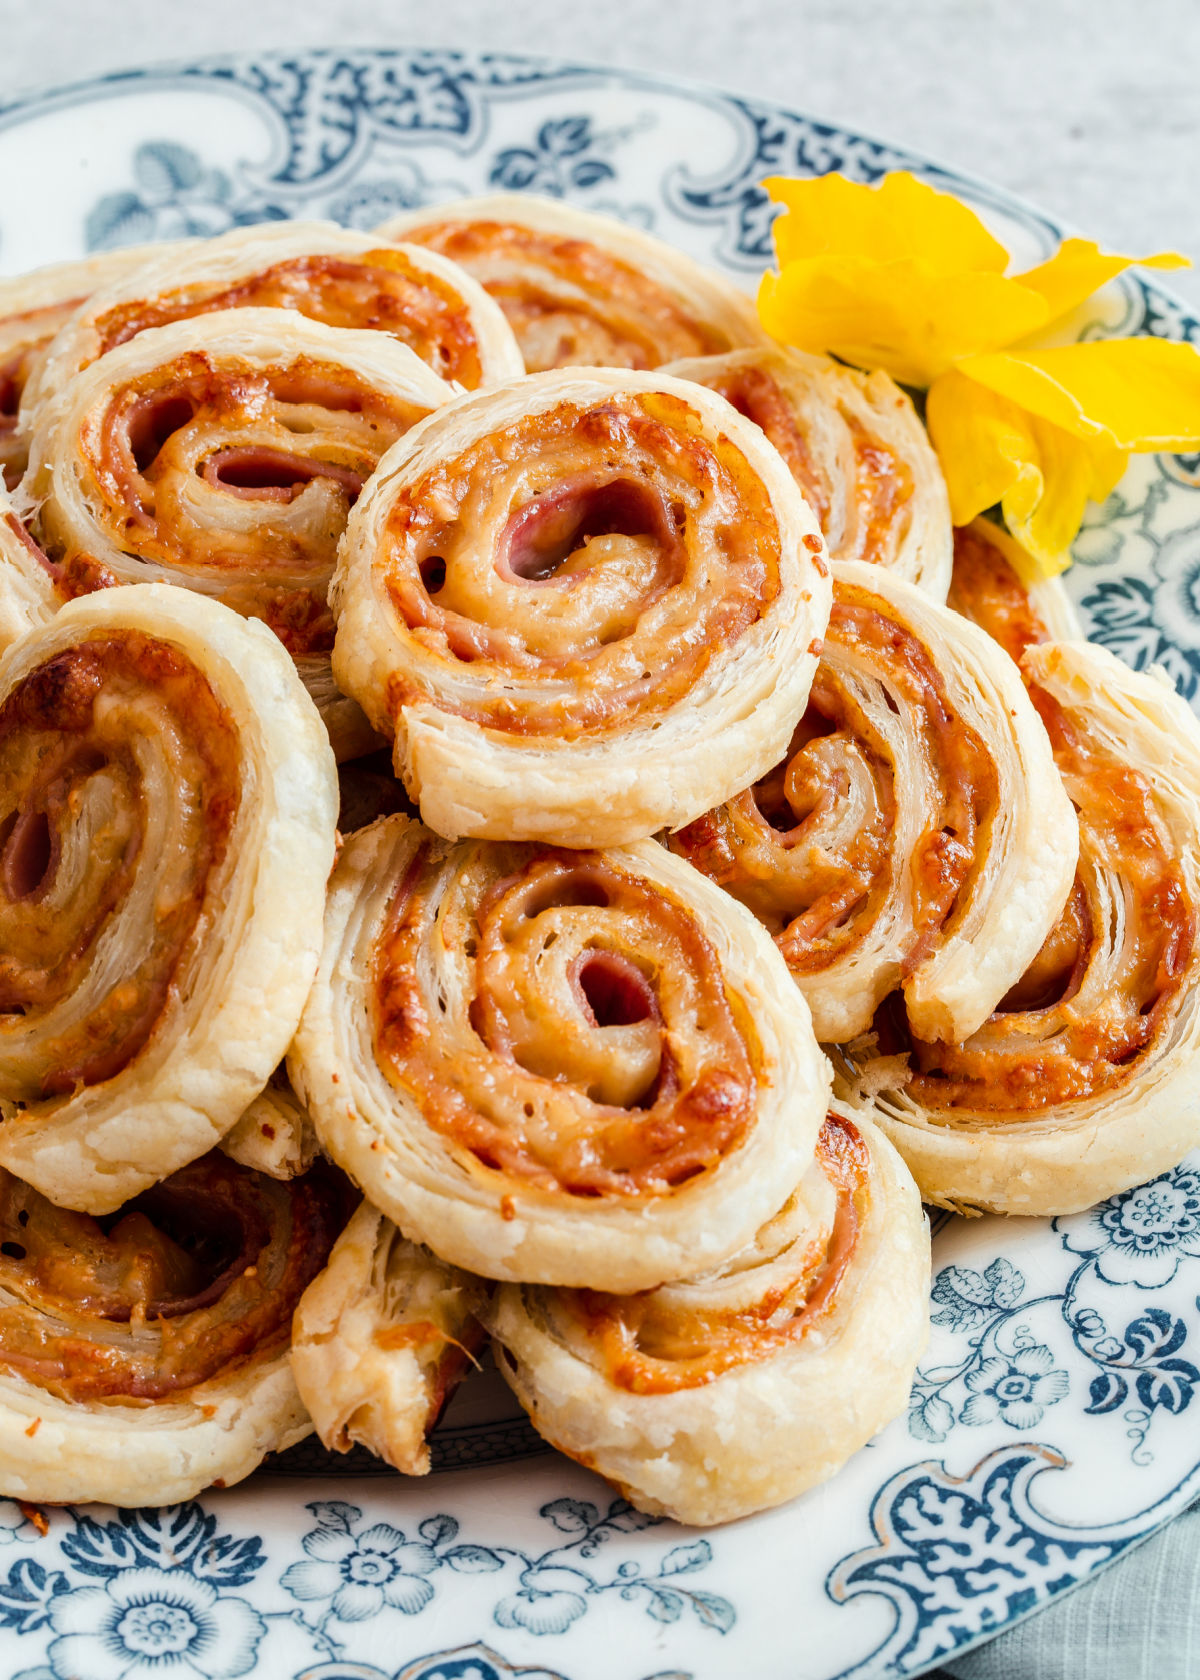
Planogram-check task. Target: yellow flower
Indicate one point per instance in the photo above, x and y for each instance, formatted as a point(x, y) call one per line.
point(908, 279)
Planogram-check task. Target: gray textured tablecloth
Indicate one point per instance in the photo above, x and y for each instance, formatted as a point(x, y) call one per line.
point(1090, 108)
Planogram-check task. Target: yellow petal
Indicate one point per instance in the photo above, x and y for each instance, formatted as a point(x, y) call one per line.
point(1137, 393)
point(900, 217)
point(984, 443)
point(992, 451)
point(894, 315)
point(1079, 267)
point(1048, 524)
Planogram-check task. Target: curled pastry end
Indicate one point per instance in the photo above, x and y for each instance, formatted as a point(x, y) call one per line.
point(916, 836)
point(275, 1135)
point(1082, 1082)
point(380, 1341)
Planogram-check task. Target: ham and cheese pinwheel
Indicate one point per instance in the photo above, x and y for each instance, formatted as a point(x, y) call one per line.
point(582, 290)
point(855, 447)
point(754, 1380)
point(586, 605)
point(33, 308)
point(29, 592)
point(327, 273)
point(1085, 1080)
point(915, 835)
point(224, 453)
point(167, 808)
point(145, 1358)
point(381, 1340)
point(573, 1068)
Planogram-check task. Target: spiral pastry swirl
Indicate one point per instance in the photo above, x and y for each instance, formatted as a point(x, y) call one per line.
point(856, 449)
point(381, 1340)
point(33, 308)
point(146, 1357)
point(317, 269)
point(224, 453)
point(1083, 1082)
point(581, 603)
point(167, 807)
point(724, 1394)
point(581, 290)
point(916, 834)
point(546, 1065)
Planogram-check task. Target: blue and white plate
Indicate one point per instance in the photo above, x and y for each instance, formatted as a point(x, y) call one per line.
point(1051, 1424)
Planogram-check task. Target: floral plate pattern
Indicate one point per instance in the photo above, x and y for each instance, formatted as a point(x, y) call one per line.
point(1050, 1426)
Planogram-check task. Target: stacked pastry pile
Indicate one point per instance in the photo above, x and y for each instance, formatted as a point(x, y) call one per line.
point(659, 750)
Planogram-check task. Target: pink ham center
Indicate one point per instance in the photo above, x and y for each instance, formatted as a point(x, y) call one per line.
point(254, 473)
point(613, 991)
point(273, 475)
point(26, 855)
point(10, 393)
point(546, 533)
point(152, 421)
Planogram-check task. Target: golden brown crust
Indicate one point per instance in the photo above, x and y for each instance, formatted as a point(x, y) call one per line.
point(1082, 1083)
point(224, 454)
point(381, 1340)
point(916, 835)
point(712, 1398)
point(547, 1065)
point(169, 1326)
point(33, 308)
point(326, 273)
point(578, 602)
point(159, 927)
point(854, 445)
point(584, 290)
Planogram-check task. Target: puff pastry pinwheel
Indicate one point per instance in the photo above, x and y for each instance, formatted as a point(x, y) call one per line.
point(325, 272)
point(33, 308)
point(582, 290)
point(167, 809)
point(145, 1358)
point(29, 593)
point(381, 1339)
point(224, 453)
point(915, 834)
point(855, 447)
point(750, 1382)
point(1085, 1080)
point(553, 1066)
point(586, 605)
